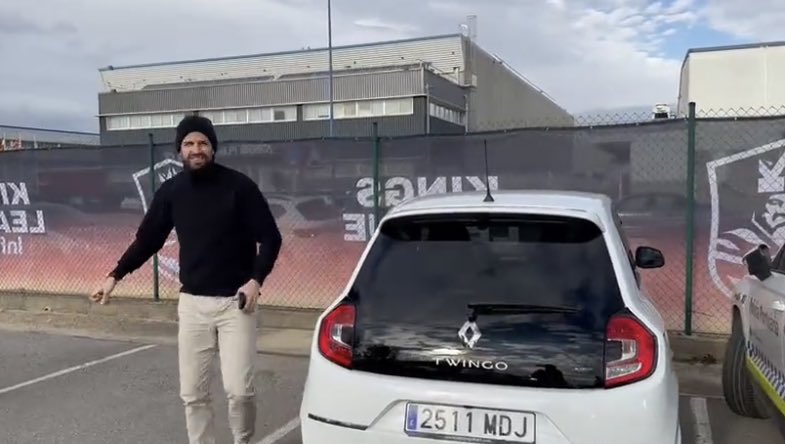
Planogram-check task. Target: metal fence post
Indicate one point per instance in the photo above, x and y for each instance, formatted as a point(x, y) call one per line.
point(156, 288)
point(690, 240)
point(376, 160)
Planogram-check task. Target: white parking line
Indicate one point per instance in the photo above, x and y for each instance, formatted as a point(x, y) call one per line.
point(701, 395)
point(75, 368)
point(277, 435)
point(702, 424)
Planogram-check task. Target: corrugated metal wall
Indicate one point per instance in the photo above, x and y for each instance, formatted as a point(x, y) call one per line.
point(682, 107)
point(502, 100)
point(443, 52)
point(439, 126)
point(735, 82)
point(388, 126)
point(445, 91)
point(40, 135)
point(353, 87)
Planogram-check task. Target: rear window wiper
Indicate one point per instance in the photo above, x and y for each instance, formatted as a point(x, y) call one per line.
point(492, 309)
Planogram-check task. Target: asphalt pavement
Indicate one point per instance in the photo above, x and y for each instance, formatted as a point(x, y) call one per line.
point(76, 390)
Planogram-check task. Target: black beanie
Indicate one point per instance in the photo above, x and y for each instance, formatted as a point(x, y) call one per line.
point(199, 124)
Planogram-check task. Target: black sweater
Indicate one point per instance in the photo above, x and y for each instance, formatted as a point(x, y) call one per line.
point(219, 215)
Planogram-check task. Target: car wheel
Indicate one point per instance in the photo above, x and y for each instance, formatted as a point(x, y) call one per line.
point(738, 386)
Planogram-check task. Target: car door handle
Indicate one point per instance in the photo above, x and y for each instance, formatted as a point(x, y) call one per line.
point(778, 306)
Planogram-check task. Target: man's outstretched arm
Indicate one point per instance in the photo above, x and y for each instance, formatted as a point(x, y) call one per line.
point(150, 237)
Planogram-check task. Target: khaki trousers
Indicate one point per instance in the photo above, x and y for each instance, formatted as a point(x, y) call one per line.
point(206, 325)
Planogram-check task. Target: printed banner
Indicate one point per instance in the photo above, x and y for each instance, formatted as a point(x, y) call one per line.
point(66, 215)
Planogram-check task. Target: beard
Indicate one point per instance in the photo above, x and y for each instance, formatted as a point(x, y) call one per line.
point(196, 162)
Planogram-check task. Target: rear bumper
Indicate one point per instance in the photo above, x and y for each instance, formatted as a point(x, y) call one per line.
point(318, 432)
point(358, 407)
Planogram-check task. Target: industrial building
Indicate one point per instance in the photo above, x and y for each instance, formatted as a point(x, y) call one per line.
point(734, 81)
point(20, 137)
point(434, 85)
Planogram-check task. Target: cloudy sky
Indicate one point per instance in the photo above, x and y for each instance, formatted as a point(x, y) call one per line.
point(587, 54)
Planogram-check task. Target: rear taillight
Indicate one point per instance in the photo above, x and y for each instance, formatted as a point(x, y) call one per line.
point(335, 335)
point(630, 351)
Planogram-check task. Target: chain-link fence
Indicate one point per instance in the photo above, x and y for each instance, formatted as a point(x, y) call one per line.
point(739, 202)
point(67, 214)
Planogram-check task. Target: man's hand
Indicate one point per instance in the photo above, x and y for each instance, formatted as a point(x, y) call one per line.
point(104, 291)
point(251, 291)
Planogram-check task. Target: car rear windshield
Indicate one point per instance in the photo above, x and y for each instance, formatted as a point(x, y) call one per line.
point(539, 287)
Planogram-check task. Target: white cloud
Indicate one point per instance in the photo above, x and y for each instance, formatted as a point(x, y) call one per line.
point(586, 53)
point(757, 20)
point(402, 29)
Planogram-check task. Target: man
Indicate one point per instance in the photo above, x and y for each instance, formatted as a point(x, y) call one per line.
point(219, 215)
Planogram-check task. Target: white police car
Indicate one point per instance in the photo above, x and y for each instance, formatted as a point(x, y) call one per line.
point(516, 319)
point(754, 366)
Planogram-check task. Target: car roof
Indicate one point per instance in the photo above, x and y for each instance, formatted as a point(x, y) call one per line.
point(556, 201)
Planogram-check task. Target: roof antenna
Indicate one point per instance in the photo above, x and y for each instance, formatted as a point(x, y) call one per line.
point(488, 197)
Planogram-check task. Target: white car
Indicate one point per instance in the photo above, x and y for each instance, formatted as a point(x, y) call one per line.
point(517, 320)
point(754, 366)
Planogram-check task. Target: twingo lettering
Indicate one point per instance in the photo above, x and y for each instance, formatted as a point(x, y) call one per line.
point(473, 363)
point(394, 190)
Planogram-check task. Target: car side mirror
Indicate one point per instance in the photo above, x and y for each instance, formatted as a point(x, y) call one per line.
point(758, 262)
point(649, 257)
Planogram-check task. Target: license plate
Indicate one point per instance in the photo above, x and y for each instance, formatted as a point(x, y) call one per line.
point(429, 420)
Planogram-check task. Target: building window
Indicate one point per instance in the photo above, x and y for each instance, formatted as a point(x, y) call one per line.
point(241, 116)
point(118, 123)
point(360, 109)
point(140, 121)
point(287, 114)
point(143, 121)
point(345, 110)
point(448, 114)
point(217, 117)
point(160, 120)
point(237, 116)
point(267, 115)
point(397, 107)
point(316, 112)
point(365, 109)
point(255, 115)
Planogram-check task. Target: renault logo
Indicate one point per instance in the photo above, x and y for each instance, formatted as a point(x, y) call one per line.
point(469, 334)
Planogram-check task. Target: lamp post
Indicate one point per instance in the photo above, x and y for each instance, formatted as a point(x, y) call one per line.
point(330, 52)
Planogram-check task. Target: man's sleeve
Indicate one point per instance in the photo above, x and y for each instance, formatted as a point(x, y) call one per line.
point(150, 237)
point(265, 231)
